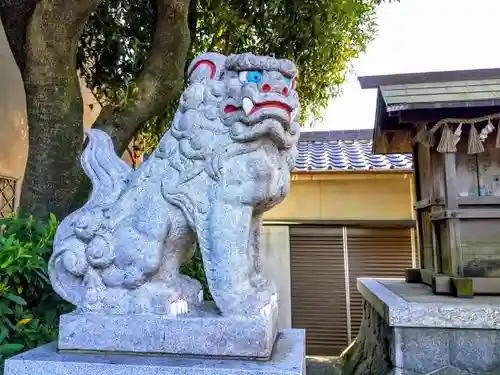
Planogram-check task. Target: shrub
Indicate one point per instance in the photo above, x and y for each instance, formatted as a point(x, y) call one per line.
point(29, 308)
point(194, 268)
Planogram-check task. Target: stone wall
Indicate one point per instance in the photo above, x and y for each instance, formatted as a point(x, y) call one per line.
point(275, 252)
point(428, 334)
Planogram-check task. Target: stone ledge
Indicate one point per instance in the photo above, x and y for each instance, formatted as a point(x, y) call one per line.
point(205, 335)
point(414, 305)
point(288, 359)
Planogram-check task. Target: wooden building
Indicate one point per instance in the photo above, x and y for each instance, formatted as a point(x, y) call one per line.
point(450, 121)
point(349, 214)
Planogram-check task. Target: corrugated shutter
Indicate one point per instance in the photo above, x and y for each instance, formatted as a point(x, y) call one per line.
point(375, 252)
point(318, 288)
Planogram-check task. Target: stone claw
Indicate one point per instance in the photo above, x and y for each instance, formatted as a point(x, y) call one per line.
point(179, 307)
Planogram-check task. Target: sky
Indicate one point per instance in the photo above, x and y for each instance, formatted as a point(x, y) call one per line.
point(418, 36)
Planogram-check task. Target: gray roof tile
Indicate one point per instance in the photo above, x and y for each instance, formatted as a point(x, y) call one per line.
point(344, 150)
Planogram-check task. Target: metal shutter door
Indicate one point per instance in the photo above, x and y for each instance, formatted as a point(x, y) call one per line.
point(318, 288)
point(375, 252)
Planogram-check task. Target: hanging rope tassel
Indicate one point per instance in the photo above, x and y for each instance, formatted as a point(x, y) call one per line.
point(446, 144)
point(497, 142)
point(475, 145)
point(456, 135)
point(486, 131)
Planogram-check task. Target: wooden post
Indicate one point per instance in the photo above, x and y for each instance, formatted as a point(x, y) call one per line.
point(453, 224)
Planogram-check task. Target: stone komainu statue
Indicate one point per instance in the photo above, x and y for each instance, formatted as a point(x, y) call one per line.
point(225, 161)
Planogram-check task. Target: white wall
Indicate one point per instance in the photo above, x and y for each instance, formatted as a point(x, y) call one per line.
point(275, 252)
point(13, 127)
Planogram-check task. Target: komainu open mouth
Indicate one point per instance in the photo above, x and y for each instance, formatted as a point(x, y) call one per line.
point(250, 108)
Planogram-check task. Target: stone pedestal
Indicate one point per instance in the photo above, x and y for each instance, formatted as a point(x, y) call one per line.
point(288, 358)
point(408, 330)
point(202, 333)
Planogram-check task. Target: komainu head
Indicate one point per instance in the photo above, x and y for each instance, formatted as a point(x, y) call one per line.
point(246, 97)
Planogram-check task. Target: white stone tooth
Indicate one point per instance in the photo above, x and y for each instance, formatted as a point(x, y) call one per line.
point(247, 105)
point(184, 308)
point(200, 296)
point(294, 114)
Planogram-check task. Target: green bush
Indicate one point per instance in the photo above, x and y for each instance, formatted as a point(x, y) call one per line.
point(29, 308)
point(194, 268)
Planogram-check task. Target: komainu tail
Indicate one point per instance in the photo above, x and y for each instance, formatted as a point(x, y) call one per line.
point(69, 266)
point(108, 173)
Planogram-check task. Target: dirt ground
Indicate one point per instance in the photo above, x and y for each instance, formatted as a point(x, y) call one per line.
point(322, 366)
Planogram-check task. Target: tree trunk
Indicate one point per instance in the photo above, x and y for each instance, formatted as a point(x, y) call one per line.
point(53, 182)
point(369, 354)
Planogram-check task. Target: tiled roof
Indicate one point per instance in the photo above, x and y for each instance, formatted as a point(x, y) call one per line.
point(344, 150)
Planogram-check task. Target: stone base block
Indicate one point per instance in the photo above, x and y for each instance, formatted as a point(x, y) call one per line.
point(422, 333)
point(288, 358)
point(203, 334)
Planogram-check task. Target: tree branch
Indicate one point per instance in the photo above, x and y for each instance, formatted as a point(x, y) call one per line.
point(161, 79)
point(15, 15)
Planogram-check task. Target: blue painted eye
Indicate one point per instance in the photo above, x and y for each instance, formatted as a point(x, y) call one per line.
point(254, 76)
point(287, 81)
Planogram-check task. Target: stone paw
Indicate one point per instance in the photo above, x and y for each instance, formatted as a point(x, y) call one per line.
point(267, 309)
point(248, 302)
point(179, 307)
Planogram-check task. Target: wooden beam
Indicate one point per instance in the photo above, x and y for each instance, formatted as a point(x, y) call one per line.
point(466, 213)
point(373, 82)
point(402, 223)
point(389, 174)
point(436, 114)
point(428, 202)
point(446, 285)
point(489, 200)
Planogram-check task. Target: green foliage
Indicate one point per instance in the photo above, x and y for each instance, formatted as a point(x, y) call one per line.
point(194, 268)
point(114, 45)
point(321, 36)
point(29, 308)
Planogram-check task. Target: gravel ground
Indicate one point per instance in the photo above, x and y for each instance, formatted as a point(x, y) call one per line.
point(323, 366)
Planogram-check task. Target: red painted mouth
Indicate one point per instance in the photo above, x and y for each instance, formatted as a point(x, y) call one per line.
point(256, 107)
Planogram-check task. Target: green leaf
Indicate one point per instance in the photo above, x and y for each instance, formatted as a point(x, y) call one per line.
point(17, 299)
point(10, 349)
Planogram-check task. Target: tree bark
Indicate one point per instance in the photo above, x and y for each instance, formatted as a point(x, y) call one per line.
point(161, 79)
point(43, 35)
point(369, 354)
point(53, 182)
